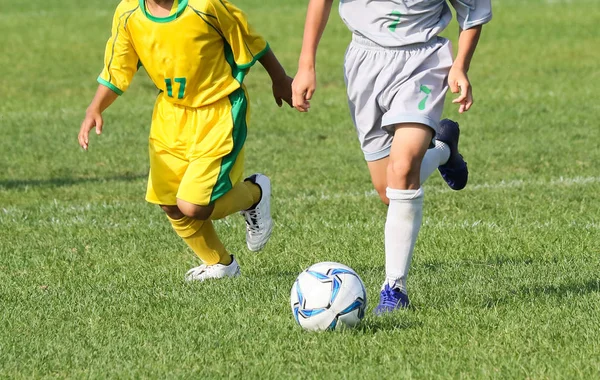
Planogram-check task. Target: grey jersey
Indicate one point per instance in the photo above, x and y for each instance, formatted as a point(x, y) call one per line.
point(396, 23)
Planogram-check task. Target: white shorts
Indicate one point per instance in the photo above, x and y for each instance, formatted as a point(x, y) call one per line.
point(388, 86)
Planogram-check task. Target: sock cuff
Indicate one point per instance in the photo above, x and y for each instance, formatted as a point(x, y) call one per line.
point(186, 226)
point(441, 145)
point(404, 195)
point(397, 282)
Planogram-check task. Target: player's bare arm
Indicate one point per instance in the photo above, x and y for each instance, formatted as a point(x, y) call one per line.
point(93, 115)
point(305, 82)
point(282, 83)
point(457, 78)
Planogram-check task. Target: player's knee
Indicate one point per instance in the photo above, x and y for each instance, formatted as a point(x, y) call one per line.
point(172, 212)
point(402, 169)
point(403, 173)
point(195, 211)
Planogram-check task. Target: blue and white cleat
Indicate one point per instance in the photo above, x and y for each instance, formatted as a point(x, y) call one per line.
point(390, 299)
point(455, 171)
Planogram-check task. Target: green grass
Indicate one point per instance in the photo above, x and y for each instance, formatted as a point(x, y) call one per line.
point(504, 280)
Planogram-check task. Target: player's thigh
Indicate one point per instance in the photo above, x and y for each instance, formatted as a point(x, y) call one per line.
point(166, 173)
point(168, 162)
point(217, 158)
point(207, 180)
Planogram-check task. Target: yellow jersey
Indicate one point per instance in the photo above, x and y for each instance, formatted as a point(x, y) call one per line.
point(196, 56)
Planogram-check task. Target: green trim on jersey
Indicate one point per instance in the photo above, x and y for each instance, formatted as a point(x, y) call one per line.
point(239, 71)
point(236, 72)
point(239, 108)
point(180, 8)
point(258, 56)
point(110, 86)
point(112, 54)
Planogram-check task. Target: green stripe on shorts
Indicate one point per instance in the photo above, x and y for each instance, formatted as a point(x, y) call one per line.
point(239, 106)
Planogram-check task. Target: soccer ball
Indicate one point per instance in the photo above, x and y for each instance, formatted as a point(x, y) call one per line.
point(327, 296)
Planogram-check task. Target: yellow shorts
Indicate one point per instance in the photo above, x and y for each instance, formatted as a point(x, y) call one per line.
point(196, 154)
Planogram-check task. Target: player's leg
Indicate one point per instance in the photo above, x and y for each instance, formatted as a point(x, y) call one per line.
point(199, 235)
point(405, 210)
point(168, 166)
point(251, 197)
point(212, 187)
point(434, 158)
point(226, 194)
point(256, 189)
point(202, 238)
point(368, 67)
point(413, 112)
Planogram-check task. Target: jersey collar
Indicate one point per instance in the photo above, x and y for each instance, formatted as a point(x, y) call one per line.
point(180, 9)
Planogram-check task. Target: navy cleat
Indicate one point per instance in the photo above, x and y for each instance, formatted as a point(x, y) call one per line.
point(391, 299)
point(455, 171)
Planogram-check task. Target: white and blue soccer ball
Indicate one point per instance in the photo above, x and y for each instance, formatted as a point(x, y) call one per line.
point(328, 296)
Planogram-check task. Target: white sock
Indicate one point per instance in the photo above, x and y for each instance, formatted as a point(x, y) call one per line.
point(433, 158)
point(402, 225)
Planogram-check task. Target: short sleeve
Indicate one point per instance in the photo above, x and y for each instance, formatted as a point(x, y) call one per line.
point(471, 13)
point(120, 58)
point(246, 45)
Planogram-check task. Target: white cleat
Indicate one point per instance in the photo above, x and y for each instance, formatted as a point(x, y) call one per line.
point(259, 224)
point(205, 272)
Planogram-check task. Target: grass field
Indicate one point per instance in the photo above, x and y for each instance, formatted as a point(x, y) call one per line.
point(505, 279)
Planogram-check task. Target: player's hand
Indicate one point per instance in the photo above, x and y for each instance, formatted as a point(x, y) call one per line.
point(459, 82)
point(92, 120)
point(282, 91)
point(303, 88)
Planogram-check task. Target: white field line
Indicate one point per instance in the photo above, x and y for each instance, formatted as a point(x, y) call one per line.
point(62, 208)
point(95, 214)
point(92, 220)
point(436, 224)
point(515, 184)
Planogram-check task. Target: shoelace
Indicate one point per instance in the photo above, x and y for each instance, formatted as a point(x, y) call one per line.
point(196, 271)
point(390, 299)
point(252, 220)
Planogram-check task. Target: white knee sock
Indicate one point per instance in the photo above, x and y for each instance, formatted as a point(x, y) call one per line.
point(433, 158)
point(404, 217)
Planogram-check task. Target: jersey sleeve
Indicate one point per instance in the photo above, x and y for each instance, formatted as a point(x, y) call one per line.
point(246, 45)
point(120, 58)
point(471, 13)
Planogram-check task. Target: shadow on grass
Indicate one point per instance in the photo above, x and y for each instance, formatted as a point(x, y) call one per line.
point(64, 182)
point(559, 291)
